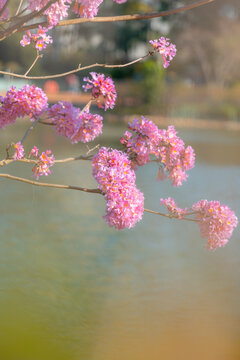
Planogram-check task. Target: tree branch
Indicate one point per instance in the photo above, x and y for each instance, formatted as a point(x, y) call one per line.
point(170, 216)
point(34, 62)
point(123, 17)
point(79, 68)
point(5, 162)
point(23, 20)
point(58, 186)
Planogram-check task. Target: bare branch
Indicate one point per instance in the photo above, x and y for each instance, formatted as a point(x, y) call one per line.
point(34, 62)
point(29, 129)
point(79, 68)
point(8, 161)
point(58, 186)
point(170, 216)
point(19, 7)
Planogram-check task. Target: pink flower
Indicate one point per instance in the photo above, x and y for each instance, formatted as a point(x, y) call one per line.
point(165, 48)
point(34, 151)
point(40, 39)
point(65, 117)
point(144, 143)
point(101, 86)
point(88, 128)
point(112, 170)
point(216, 222)
point(19, 152)
point(87, 8)
point(46, 160)
point(175, 158)
point(173, 208)
point(165, 145)
point(29, 101)
point(56, 12)
point(75, 124)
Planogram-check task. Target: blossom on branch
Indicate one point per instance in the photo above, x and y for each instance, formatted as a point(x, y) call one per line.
point(165, 48)
point(65, 117)
point(216, 222)
point(56, 12)
point(89, 8)
point(88, 128)
point(112, 170)
point(40, 40)
point(165, 145)
point(74, 124)
point(19, 151)
point(101, 86)
point(46, 160)
point(175, 158)
point(28, 101)
point(173, 208)
point(34, 152)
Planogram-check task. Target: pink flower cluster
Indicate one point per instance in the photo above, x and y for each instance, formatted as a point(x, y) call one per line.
point(173, 208)
point(56, 12)
point(40, 40)
point(89, 8)
point(45, 161)
point(5, 13)
point(144, 143)
point(101, 86)
point(19, 151)
point(164, 144)
point(28, 101)
point(165, 48)
point(88, 128)
point(112, 170)
point(75, 124)
point(216, 222)
point(175, 158)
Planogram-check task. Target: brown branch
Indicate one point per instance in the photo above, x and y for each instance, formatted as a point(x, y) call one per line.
point(170, 216)
point(79, 68)
point(5, 162)
point(123, 17)
point(19, 7)
point(34, 62)
point(58, 186)
point(23, 20)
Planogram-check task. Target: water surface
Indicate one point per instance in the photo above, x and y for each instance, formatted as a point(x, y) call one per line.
point(72, 288)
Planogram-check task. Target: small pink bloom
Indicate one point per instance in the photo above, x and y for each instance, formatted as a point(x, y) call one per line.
point(102, 86)
point(19, 152)
point(34, 151)
point(165, 48)
point(172, 207)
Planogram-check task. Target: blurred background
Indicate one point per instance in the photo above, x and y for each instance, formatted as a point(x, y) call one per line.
point(72, 288)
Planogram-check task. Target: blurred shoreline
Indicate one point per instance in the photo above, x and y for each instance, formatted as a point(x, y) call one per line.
point(180, 122)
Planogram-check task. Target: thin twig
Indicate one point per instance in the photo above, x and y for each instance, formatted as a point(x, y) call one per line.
point(8, 161)
point(58, 186)
point(34, 62)
point(19, 7)
point(29, 129)
point(79, 68)
point(171, 216)
point(123, 17)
